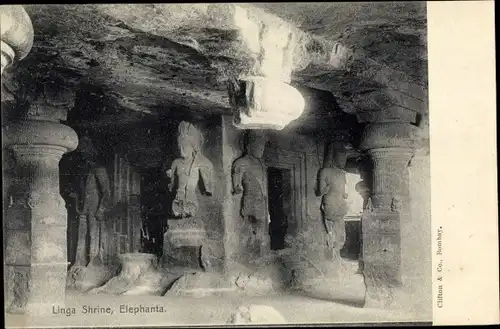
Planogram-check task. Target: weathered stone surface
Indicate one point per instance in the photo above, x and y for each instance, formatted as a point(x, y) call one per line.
point(264, 103)
point(256, 314)
point(181, 57)
point(201, 284)
point(152, 283)
point(17, 288)
point(255, 284)
point(37, 216)
point(183, 242)
point(18, 247)
point(85, 278)
point(211, 255)
point(388, 135)
point(240, 281)
point(133, 266)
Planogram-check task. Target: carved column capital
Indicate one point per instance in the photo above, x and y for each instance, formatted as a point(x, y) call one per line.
point(38, 136)
point(16, 34)
point(388, 135)
point(388, 114)
point(390, 178)
point(390, 146)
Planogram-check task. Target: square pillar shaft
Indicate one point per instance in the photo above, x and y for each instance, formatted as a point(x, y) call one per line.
point(385, 222)
point(35, 226)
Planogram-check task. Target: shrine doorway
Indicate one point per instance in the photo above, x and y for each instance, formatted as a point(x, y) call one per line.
point(280, 194)
point(352, 246)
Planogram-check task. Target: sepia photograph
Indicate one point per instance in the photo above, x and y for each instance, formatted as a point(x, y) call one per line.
point(218, 164)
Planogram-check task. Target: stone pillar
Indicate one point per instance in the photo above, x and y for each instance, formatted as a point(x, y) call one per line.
point(390, 146)
point(16, 34)
point(35, 259)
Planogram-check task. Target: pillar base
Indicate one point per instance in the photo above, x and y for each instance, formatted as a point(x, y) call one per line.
point(85, 278)
point(139, 276)
point(35, 288)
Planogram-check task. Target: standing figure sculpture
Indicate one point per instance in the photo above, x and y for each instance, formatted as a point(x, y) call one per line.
point(249, 178)
point(187, 170)
point(92, 203)
point(331, 186)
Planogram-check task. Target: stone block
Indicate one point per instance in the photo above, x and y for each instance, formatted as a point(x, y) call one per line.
point(185, 237)
point(17, 288)
point(380, 222)
point(183, 256)
point(48, 244)
point(17, 247)
point(48, 283)
point(382, 244)
point(17, 217)
point(382, 249)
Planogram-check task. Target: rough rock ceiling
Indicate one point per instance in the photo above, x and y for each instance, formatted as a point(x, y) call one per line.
point(131, 61)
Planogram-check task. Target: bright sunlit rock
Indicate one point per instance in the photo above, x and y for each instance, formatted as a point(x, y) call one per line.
point(262, 103)
point(263, 98)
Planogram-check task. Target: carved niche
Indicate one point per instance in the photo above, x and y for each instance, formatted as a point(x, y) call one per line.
point(186, 171)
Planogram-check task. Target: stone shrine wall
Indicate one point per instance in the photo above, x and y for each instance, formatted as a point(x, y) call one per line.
point(285, 149)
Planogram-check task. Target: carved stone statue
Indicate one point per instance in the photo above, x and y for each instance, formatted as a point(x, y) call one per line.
point(187, 170)
point(95, 201)
point(92, 203)
point(331, 186)
point(249, 178)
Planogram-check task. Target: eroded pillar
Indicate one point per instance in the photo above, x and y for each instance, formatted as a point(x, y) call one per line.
point(35, 244)
point(390, 147)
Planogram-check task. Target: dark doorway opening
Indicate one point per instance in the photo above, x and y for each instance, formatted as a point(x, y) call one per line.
point(153, 196)
point(280, 204)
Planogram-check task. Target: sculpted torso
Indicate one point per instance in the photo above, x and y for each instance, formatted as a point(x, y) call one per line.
point(187, 170)
point(332, 188)
point(249, 178)
point(187, 178)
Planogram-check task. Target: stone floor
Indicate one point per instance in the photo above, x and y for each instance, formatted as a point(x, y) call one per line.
point(296, 308)
point(179, 311)
point(324, 302)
